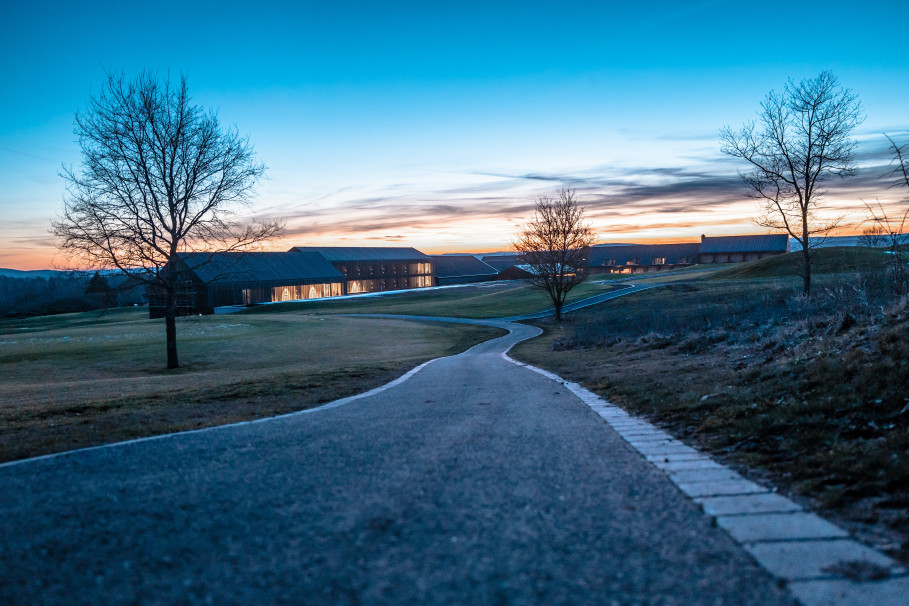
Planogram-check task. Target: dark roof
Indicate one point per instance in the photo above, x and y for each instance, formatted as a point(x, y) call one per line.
point(226, 267)
point(644, 253)
point(500, 262)
point(447, 266)
point(365, 253)
point(742, 244)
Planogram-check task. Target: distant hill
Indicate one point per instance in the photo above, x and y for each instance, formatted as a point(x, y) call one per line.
point(823, 261)
point(36, 273)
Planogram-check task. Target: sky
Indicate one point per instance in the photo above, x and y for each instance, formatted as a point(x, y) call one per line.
point(437, 125)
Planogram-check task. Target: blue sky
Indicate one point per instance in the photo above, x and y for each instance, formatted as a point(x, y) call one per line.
point(436, 126)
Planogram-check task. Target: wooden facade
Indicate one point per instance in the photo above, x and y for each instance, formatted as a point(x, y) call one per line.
point(461, 269)
point(377, 269)
point(640, 258)
point(738, 249)
point(205, 281)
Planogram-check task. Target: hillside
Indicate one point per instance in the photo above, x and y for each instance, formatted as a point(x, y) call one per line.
point(36, 273)
point(838, 259)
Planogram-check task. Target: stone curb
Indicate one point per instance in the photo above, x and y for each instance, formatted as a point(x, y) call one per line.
point(816, 560)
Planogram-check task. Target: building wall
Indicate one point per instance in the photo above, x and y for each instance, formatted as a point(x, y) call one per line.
point(380, 276)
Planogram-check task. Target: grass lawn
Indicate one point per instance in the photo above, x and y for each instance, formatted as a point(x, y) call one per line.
point(78, 380)
point(810, 395)
point(484, 300)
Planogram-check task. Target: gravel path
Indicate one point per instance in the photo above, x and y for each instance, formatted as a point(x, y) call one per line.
point(475, 481)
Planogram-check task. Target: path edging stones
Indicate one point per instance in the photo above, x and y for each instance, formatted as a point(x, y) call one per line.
point(813, 557)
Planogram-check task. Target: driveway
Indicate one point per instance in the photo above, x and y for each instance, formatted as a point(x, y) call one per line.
point(474, 481)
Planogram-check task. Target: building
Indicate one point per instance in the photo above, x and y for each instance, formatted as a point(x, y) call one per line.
point(376, 269)
point(209, 280)
point(500, 261)
point(737, 249)
point(640, 258)
point(461, 269)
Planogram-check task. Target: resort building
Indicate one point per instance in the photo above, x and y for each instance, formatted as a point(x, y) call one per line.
point(737, 249)
point(376, 269)
point(209, 280)
point(640, 258)
point(461, 269)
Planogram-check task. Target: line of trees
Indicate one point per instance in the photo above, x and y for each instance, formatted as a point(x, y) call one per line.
point(68, 292)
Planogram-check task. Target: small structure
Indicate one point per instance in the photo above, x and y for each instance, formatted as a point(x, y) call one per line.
point(209, 280)
point(515, 272)
point(640, 258)
point(500, 261)
point(376, 269)
point(461, 269)
point(737, 249)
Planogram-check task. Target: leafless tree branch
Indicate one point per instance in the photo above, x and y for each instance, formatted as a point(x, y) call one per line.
point(802, 140)
point(159, 176)
point(554, 245)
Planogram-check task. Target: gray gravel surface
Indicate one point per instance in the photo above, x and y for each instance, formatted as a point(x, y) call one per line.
point(474, 482)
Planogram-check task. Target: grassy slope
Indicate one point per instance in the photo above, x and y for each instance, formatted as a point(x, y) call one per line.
point(810, 395)
point(486, 300)
point(823, 261)
point(82, 379)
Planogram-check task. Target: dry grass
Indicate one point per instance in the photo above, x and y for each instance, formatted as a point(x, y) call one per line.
point(807, 394)
point(85, 379)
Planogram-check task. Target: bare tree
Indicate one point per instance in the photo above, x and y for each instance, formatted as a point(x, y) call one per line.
point(892, 228)
point(159, 176)
point(803, 138)
point(900, 163)
point(873, 235)
point(554, 244)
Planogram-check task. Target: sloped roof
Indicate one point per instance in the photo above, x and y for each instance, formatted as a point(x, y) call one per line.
point(364, 253)
point(500, 262)
point(644, 253)
point(448, 266)
point(744, 244)
point(227, 267)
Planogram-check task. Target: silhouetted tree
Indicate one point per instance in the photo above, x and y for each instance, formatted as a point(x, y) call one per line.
point(803, 137)
point(159, 176)
point(99, 292)
point(872, 236)
point(554, 245)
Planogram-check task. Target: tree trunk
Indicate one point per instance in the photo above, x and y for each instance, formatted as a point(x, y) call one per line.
point(806, 270)
point(170, 324)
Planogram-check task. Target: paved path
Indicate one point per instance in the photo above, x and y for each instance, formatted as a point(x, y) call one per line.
point(474, 481)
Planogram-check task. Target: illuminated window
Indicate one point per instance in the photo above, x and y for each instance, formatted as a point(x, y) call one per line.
point(286, 295)
point(659, 260)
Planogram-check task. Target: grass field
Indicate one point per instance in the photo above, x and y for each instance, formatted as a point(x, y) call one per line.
point(484, 300)
point(84, 379)
point(807, 394)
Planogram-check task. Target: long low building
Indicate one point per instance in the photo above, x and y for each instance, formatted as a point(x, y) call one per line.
point(738, 249)
point(641, 258)
point(377, 269)
point(209, 280)
point(461, 269)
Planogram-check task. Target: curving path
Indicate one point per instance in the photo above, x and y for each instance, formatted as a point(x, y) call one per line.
point(473, 481)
